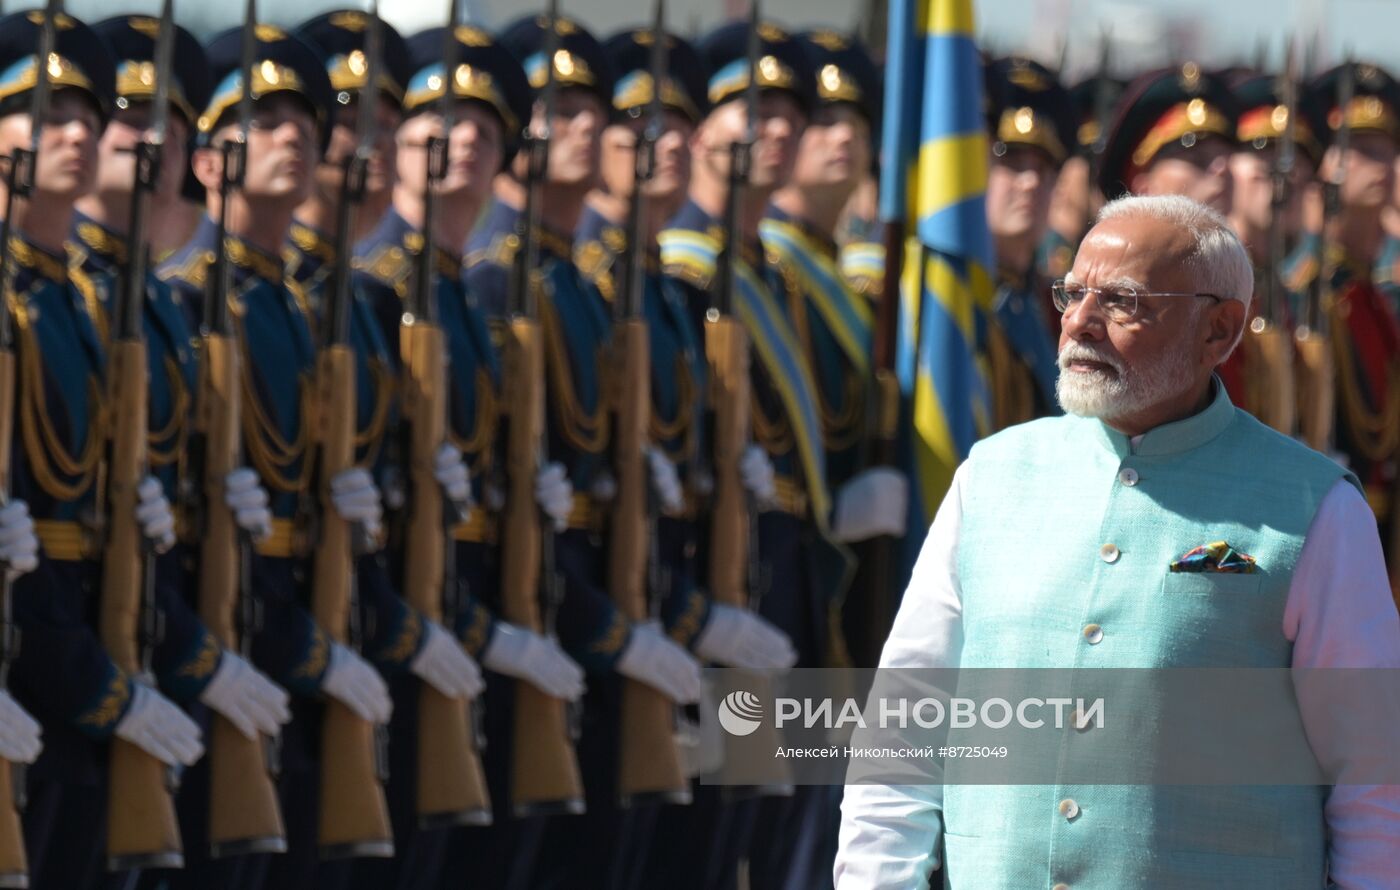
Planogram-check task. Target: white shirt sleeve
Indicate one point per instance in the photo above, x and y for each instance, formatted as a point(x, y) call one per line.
point(1339, 614)
point(890, 833)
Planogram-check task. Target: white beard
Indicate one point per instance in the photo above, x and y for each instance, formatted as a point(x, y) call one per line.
point(1121, 393)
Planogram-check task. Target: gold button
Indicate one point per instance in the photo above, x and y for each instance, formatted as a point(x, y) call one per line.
point(1128, 476)
point(1093, 633)
point(1109, 553)
point(1068, 808)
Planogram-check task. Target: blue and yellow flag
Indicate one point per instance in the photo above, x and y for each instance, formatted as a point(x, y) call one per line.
point(934, 178)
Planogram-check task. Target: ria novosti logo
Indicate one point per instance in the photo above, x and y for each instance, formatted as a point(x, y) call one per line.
point(740, 712)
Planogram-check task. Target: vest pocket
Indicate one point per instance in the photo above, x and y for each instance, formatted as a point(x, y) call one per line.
point(1179, 584)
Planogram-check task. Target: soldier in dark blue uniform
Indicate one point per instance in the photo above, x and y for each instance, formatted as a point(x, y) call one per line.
point(1032, 134)
point(289, 127)
point(63, 674)
point(98, 255)
point(806, 572)
point(438, 659)
point(608, 842)
point(715, 632)
point(339, 36)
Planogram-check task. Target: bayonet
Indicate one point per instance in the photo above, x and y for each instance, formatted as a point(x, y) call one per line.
point(629, 304)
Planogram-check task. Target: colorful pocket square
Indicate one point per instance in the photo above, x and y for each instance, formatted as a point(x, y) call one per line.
point(1217, 556)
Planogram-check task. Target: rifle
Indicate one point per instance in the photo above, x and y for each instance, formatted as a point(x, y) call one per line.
point(244, 814)
point(735, 570)
point(1317, 383)
point(1269, 349)
point(544, 773)
point(142, 831)
point(451, 785)
point(19, 182)
point(354, 816)
point(649, 766)
point(1103, 108)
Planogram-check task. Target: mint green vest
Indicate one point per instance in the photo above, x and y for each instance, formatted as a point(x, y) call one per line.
point(1042, 502)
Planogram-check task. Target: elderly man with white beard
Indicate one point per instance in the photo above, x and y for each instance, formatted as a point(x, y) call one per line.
point(1152, 465)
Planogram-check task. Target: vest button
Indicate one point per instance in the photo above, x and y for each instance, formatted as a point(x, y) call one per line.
point(1109, 553)
point(1093, 633)
point(1068, 808)
point(1128, 476)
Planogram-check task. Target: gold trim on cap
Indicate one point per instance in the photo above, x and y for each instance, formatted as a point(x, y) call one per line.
point(1022, 126)
point(137, 80)
point(568, 69)
point(836, 84)
point(1367, 113)
point(62, 73)
point(1195, 116)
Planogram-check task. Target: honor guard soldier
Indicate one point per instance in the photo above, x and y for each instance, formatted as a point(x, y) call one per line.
point(1076, 199)
point(834, 321)
point(100, 246)
point(802, 572)
point(1338, 300)
point(63, 674)
point(1173, 134)
point(1273, 152)
point(716, 632)
point(290, 98)
point(1033, 134)
point(423, 650)
point(340, 37)
point(491, 99)
point(573, 94)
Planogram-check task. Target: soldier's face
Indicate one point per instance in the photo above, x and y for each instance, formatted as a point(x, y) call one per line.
point(282, 149)
point(671, 173)
point(380, 174)
point(576, 133)
point(1019, 185)
point(779, 129)
point(475, 150)
point(834, 149)
point(116, 151)
point(1252, 174)
point(67, 163)
point(1200, 171)
point(1074, 196)
point(1370, 170)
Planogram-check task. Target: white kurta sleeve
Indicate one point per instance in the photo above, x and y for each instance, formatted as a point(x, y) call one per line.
point(889, 834)
point(1340, 614)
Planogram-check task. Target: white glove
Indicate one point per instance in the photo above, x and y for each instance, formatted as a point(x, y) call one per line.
point(252, 703)
point(555, 494)
point(356, 684)
point(653, 658)
point(153, 514)
point(450, 470)
point(356, 499)
point(875, 502)
point(446, 665)
point(156, 725)
point(665, 481)
point(19, 546)
point(604, 487)
point(19, 732)
point(525, 655)
point(739, 638)
point(756, 472)
point(248, 500)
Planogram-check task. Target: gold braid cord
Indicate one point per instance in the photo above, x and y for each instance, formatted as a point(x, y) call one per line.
point(1013, 390)
point(585, 432)
point(663, 431)
point(476, 445)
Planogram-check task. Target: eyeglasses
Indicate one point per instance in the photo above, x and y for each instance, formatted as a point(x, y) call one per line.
point(1118, 304)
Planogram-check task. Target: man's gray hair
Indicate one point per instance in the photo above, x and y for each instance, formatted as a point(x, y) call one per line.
point(1219, 261)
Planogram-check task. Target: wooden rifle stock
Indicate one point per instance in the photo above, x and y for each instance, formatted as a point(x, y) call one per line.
point(354, 818)
point(1316, 390)
point(451, 784)
point(1270, 384)
point(727, 351)
point(649, 769)
point(244, 815)
point(142, 831)
point(544, 769)
point(14, 865)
